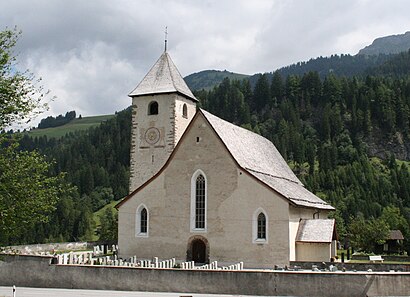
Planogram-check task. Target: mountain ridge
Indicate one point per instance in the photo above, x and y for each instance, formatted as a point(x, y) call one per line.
point(372, 56)
point(391, 44)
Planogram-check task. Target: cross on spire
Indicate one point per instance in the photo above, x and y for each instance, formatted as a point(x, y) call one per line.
point(166, 36)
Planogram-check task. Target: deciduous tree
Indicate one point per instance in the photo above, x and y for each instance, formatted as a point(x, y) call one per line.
point(27, 193)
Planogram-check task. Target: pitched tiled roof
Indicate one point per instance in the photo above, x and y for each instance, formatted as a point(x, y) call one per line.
point(396, 235)
point(259, 157)
point(163, 77)
point(316, 230)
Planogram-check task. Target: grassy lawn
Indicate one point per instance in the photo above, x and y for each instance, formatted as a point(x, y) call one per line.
point(384, 262)
point(98, 213)
point(339, 253)
point(74, 125)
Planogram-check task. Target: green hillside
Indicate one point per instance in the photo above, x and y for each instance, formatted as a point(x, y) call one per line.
point(74, 125)
point(97, 215)
point(207, 79)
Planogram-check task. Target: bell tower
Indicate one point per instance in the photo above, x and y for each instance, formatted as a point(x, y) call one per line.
point(162, 108)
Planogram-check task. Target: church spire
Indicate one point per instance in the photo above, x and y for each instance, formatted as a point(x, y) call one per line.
point(163, 78)
point(166, 37)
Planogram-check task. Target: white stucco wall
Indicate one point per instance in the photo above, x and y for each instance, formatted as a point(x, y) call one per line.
point(313, 252)
point(233, 197)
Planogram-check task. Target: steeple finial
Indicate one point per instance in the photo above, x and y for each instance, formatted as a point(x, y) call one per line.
point(166, 36)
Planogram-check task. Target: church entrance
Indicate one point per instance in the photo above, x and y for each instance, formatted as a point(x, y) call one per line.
point(198, 250)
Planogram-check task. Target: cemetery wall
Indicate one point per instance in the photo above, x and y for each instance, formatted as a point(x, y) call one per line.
point(35, 271)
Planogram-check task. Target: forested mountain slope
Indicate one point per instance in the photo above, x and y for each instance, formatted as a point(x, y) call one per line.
point(371, 59)
point(96, 162)
point(329, 131)
point(392, 44)
point(207, 79)
point(397, 66)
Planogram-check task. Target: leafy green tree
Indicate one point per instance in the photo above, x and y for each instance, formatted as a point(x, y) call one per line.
point(365, 235)
point(20, 93)
point(394, 219)
point(340, 224)
point(108, 230)
point(28, 195)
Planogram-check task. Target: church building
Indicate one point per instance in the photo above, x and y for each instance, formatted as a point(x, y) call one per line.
point(203, 189)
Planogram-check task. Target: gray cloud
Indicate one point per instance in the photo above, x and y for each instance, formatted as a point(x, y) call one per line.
point(92, 53)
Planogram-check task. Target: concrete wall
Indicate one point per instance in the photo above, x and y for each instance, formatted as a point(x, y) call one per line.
point(29, 271)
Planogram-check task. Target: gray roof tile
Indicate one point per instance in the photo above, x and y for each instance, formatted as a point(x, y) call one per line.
point(261, 159)
point(396, 235)
point(163, 77)
point(316, 230)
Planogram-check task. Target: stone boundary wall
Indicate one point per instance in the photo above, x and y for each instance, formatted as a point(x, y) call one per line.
point(377, 267)
point(35, 271)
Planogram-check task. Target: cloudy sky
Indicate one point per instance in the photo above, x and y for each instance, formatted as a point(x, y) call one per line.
point(91, 54)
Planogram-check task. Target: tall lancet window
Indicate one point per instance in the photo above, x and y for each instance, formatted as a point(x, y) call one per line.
point(198, 202)
point(185, 111)
point(261, 226)
point(142, 221)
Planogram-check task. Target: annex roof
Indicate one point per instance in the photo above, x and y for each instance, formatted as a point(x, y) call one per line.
point(316, 230)
point(260, 158)
point(163, 77)
point(396, 235)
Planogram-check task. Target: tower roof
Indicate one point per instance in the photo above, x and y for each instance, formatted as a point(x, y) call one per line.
point(163, 77)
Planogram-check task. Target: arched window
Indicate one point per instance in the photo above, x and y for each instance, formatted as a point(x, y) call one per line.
point(142, 221)
point(260, 227)
point(153, 108)
point(198, 201)
point(185, 111)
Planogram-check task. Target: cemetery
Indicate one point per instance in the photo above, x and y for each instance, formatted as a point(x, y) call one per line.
point(99, 267)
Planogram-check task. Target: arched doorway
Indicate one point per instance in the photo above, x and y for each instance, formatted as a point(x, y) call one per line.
point(198, 249)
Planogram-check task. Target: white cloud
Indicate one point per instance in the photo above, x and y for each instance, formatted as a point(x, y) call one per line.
point(92, 53)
